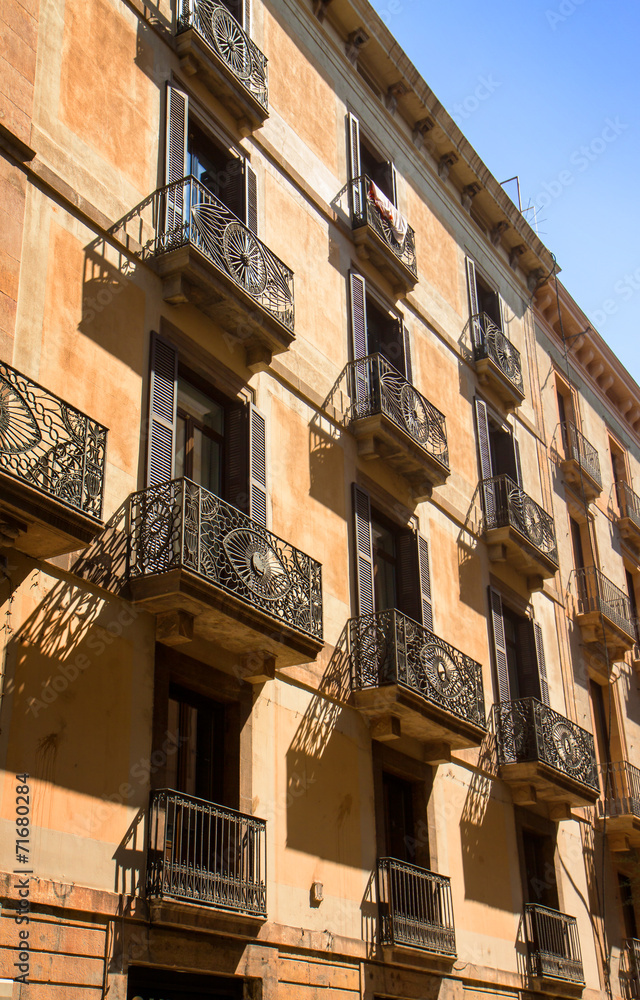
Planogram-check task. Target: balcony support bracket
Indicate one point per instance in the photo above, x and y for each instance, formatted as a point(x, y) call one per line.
point(174, 628)
point(437, 753)
point(258, 357)
point(524, 795)
point(258, 668)
point(386, 729)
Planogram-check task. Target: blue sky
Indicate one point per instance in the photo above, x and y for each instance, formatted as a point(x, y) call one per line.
point(560, 107)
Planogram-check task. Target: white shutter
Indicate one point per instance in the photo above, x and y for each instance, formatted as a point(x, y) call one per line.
point(176, 156)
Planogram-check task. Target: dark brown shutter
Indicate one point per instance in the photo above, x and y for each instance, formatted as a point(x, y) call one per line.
point(542, 664)
point(232, 188)
point(175, 155)
point(354, 165)
point(235, 8)
point(408, 574)
point(499, 645)
point(363, 550)
point(246, 23)
point(257, 467)
point(528, 676)
point(357, 287)
point(163, 394)
point(408, 367)
point(425, 583)
point(393, 178)
point(474, 305)
point(236, 470)
point(518, 464)
point(251, 198)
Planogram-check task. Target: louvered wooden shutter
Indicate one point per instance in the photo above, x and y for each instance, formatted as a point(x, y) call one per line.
point(354, 165)
point(236, 466)
point(175, 156)
point(232, 191)
point(499, 645)
point(235, 9)
point(247, 17)
point(251, 198)
point(395, 352)
point(257, 467)
point(363, 550)
point(359, 388)
point(474, 305)
point(542, 664)
point(484, 452)
point(163, 395)
point(408, 574)
point(528, 674)
point(518, 464)
point(408, 367)
point(393, 178)
point(425, 582)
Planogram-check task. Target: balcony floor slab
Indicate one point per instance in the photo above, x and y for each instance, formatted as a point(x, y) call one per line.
point(617, 641)
point(491, 376)
point(380, 437)
point(578, 477)
point(546, 784)
point(508, 545)
point(370, 246)
point(44, 527)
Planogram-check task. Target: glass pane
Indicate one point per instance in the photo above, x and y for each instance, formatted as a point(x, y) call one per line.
point(180, 447)
point(384, 567)
point(197, 404)
point(206, 462)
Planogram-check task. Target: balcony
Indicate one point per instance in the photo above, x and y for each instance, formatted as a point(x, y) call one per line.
point(497, 361)
point(629, 974)
point(409, 682)
point(206, 854)
point(212, 45)
point(544, 756)
point(207, 257)
point(619, 804)
point(629, 517)
point(603, 613)
point(392, 421)
point(553, 945)
point(238, 585)
point(581, 465)
point(52, 460)
point(415, 909)
point(389, 243)
point(518, 531)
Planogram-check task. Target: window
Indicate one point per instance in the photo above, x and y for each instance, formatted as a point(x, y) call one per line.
point(400, 835)
point(196, 726)
point(600, 721)
point(539, 883)
point(153, 984)
point(518, 653)
point(365, 159)
point(402, 787)
point(482, 297)
point(576, 543)
point(629, 923)
point(190, 150)
point(633, 602)
point(376, 330)
point(497, 446)
point(194, 431)
point(392, 564)
point(618, 463)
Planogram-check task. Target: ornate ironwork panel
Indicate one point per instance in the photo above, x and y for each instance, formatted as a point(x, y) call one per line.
point(182, 525)
point(620, 789)
point(553, 945)
point(505, 503)
point(490, 342)
point(415, 907)
point(629, 503)
point(50, 445)
point(596, 592)
point(630, 968)
point(375, 386)
point(582, 451)
point(527, 730)
point(230, 42)
point(201, 220)
point(365, 212)
point(206, 853)
point(387, 647)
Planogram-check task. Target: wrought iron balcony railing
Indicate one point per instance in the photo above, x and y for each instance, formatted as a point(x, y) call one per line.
point(506, 505)
point(206, 853)
point(375, 386)
point(628, 502)
point(415, 908)
point(185, 213)
point(620, 788)
point(577, 447)
point(553, 944)
point(365, 212)
point(179, 525)
point(49, 445)
point(490, 342)
point(222, 33)
point(526, 730)
point(632, 970)
point(387, 647)
point(596, 592)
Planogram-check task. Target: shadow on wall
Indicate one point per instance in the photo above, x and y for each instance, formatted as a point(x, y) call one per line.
point(482, 834)
point(326, 449)
point(469, 579)
point(369, 916)
point(321, 802)
point(113, 304)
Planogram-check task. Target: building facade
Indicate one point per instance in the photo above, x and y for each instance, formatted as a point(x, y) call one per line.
point(320, 543)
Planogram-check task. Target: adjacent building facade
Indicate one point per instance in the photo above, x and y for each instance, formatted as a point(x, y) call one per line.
point(320, 533)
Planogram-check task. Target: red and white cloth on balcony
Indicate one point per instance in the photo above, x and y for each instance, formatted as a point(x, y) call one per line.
point(397, 222)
